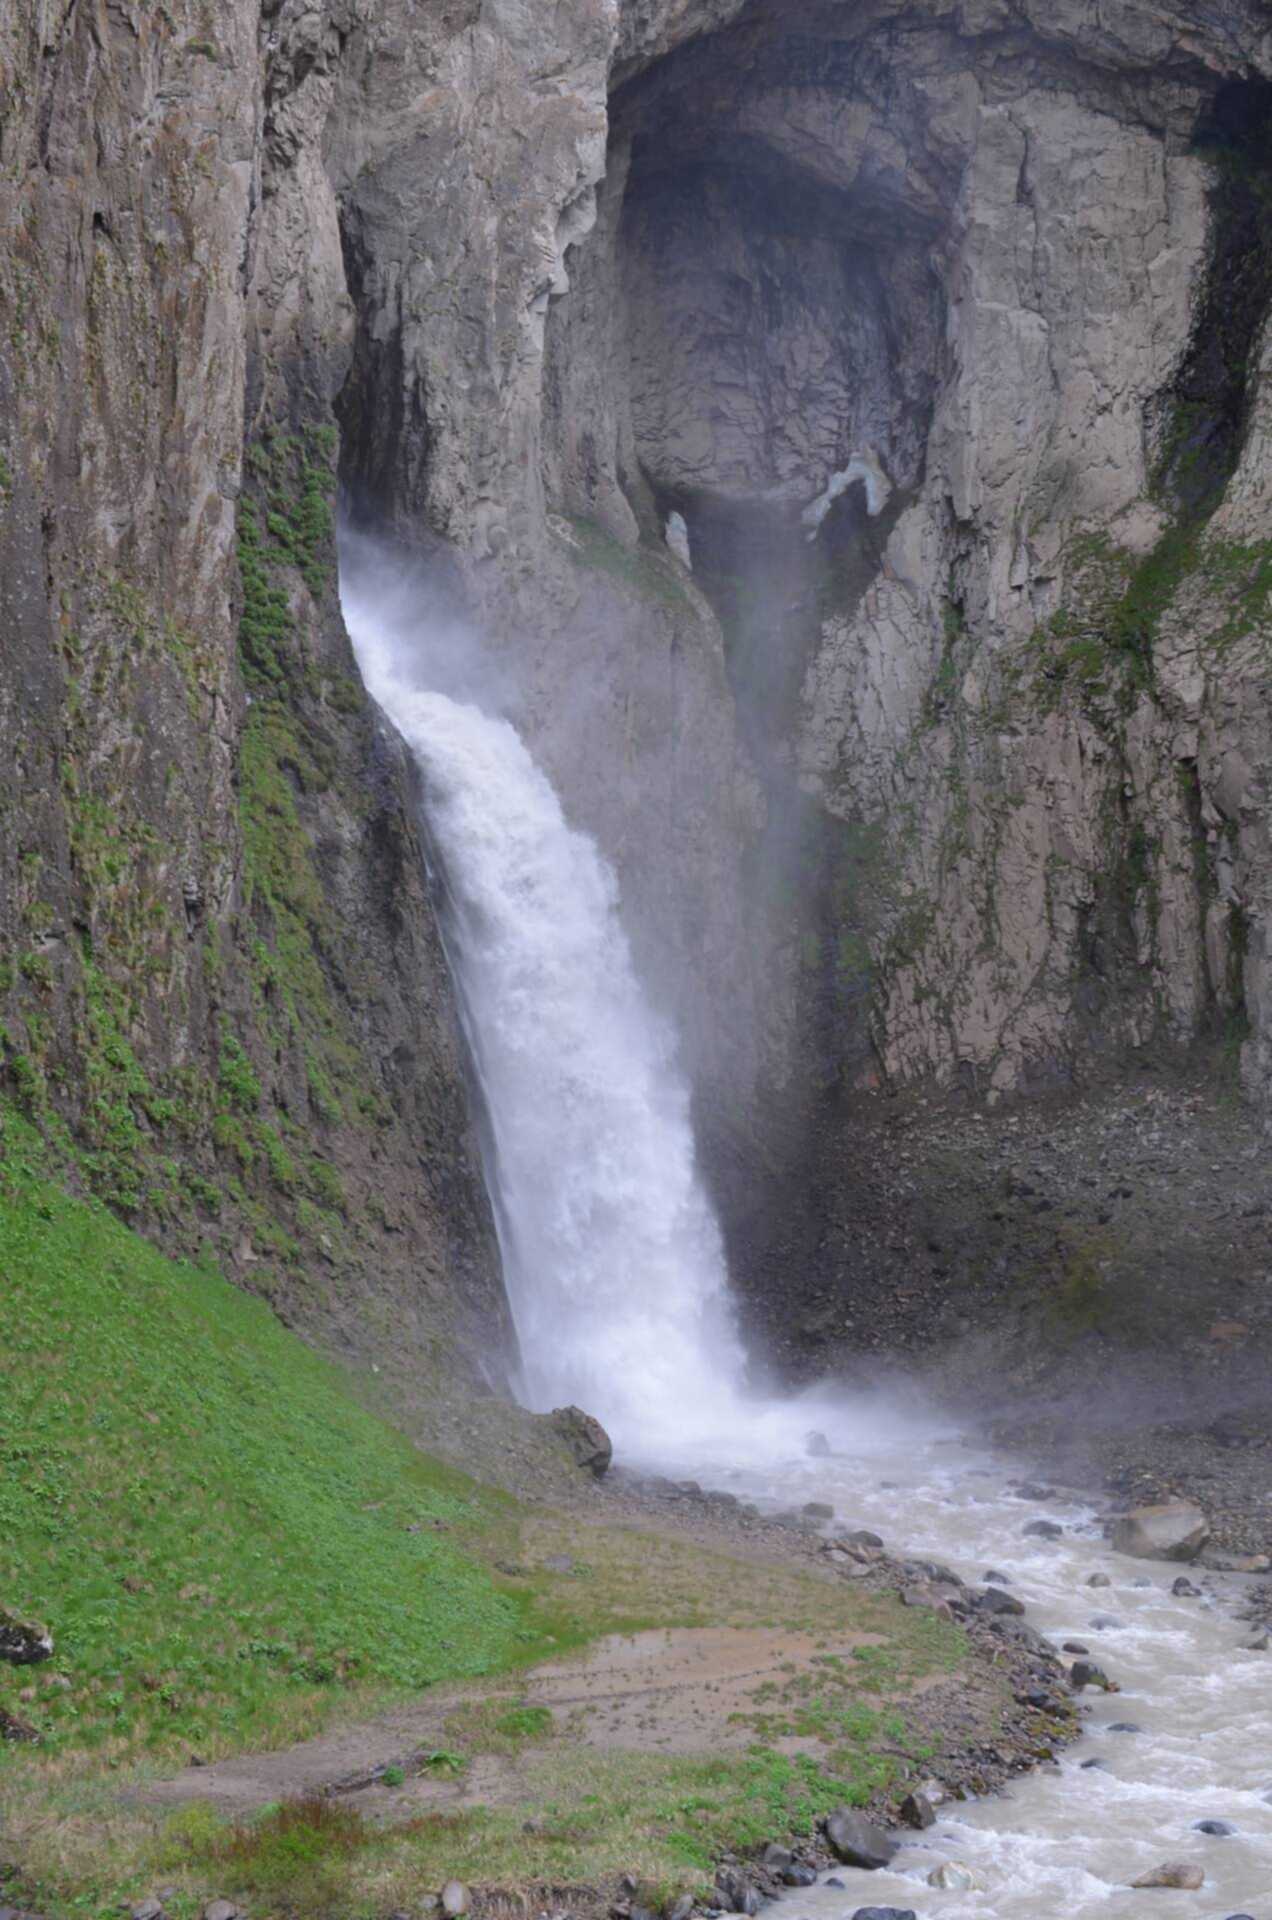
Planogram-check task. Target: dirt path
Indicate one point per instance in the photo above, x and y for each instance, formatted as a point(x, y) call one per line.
point(669, 1690)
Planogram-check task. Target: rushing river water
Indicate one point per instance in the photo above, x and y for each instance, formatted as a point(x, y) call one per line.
point(615, 1273)
point(1065, 1844)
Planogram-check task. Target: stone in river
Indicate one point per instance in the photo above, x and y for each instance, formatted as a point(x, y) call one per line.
point(1125, 1726)
point(1183, 1588)
point(1084, 1673)
point(1173, 1873)
point(1171, 1530)
point(1074, 1646)
point(1042, 1530)
point(817, 1446)
point(856, 1841)
point(993, 1578)
point(1089, 1765)
point(1105, 1622)
point(883, 1913)
point(798, 1876)
point(818, 1510)
point(954, 1877)
point(1099, 1580)
point(1221, 1829)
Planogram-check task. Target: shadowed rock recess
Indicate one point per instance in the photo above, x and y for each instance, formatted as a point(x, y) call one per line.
point(934, 333)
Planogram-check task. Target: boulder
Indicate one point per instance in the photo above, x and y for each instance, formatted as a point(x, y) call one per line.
point(884, 1913)
point(798, 1876)
point(735, 1893)
point(1173, 1530)
point(1042, 1530)
point(954, 1877)
point(586, 1439)
point(1084, 1673)
point(917, 1810)
point(1173, 1873)
point(23, 1642)
point(1219, 1829)
point(856, 1841)
point(994, 1600)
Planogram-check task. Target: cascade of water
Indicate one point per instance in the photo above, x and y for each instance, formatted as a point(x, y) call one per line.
point(612, 1253)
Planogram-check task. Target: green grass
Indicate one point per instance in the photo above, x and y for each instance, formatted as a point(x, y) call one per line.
point(665, 1820)
point(215, 1531)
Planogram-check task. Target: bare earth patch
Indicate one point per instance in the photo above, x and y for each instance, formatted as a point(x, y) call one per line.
point(675, 1690)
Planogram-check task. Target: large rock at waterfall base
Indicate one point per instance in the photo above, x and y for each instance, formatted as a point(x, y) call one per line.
point(586, 1438)
point(858, 1842)
point(23, 1642)
point(1175, 1530)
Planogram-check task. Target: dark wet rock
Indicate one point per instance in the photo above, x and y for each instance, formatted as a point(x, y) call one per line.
point(818, 1510)
point(1171, 1530)
point(862, 1537)
point(1183, 1588)
point(1218, 1829)
point(1098, 1580)
point(1042, 1530)
point(994, 1600)
point(1105, 1622)
point(833, 1882)
point(884, 1913)
point(1125, 1726)
point(917, 1810)
point(798, 1876)
point(586, 1438)
point(1092, 1766)
point(1074, 1646)
point(856, 1841)
point(23, 1643)
point(1084, 1673)
point(735, 1892)
point(1030, 1490)
point(1173, 1873)
point(993, 1578)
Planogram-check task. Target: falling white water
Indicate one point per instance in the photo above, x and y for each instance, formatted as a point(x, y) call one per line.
point(612, 1254)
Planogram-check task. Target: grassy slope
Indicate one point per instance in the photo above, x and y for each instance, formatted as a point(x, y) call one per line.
point(220, 1538)
point(230, 1551)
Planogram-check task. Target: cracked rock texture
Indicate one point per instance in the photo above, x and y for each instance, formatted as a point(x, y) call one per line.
point(958, 779)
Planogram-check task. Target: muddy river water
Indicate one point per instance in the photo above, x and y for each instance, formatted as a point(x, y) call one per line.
point(1065, 1844)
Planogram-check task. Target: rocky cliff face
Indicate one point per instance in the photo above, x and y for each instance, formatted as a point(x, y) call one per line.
point(933, 332)
point(222, 993)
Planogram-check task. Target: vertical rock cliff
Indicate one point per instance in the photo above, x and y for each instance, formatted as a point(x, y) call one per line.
point(847, 421)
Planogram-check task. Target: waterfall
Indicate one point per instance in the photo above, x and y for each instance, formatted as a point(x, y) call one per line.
point(612, 1254)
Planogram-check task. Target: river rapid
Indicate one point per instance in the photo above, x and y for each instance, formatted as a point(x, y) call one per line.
point(1065, 1842)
